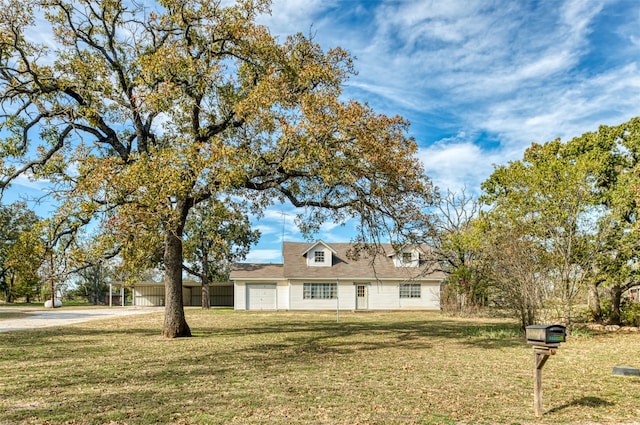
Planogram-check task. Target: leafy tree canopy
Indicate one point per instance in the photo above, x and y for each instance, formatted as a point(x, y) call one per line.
point(140, 112)
point(573, 203)
point(20, 253)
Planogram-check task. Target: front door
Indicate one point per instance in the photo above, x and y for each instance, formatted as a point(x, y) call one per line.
point(361, 297)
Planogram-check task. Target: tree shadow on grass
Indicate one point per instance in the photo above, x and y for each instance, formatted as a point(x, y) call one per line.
point(309, 336)
point(297, 336)
point(588, 401)
point(274, 347)
point(62, 340)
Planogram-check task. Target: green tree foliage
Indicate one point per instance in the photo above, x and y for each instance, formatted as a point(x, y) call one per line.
point(162, 106)
point(573, 206)
point(217, 234)
point(514, 267)
point(20, 253)
point(614, 152)
point(546, 200)
point(456, 244)
point(91, 284)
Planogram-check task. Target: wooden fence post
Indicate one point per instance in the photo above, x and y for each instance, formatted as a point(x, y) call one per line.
point(540, 357)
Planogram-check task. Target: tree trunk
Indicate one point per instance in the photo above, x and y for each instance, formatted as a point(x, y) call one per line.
point(9, 291)
point(206, 304)
point(96, 286)
point(175, 324)
point(616, 297)
point(595, 309)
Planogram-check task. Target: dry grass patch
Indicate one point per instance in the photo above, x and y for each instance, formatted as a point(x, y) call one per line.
point(305, 368)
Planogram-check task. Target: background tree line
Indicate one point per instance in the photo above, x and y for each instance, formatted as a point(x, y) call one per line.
point(20, 253)
point(217, 235)
point(554, 235)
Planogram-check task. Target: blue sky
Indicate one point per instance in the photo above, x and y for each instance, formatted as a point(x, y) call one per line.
point(478, 80)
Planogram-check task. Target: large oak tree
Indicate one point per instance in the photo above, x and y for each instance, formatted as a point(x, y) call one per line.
point(144, 112)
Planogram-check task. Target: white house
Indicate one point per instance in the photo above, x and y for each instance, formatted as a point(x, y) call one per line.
point(321, 276)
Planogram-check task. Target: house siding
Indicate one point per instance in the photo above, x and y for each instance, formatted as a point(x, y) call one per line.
point(381, 278)
point(241, 293)
point(386, 296)
point(240, 296)
point(282, 289)
point(429, 298)
point(381, 296)
point(326, 253)
point(344, 301)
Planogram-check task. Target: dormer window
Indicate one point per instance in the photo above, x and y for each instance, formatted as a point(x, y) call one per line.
point(319, 255)
point(407, 257)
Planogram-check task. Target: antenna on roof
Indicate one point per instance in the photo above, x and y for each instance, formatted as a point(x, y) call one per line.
point(282, 239)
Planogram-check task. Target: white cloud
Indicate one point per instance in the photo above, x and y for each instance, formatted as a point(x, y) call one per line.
point(278, 222)
point(265, 229)
point(409, 24)
point(458, 163)
point(26, 181)
point(578, 15)
point(437, 55)
point(264, 256)
point(293, 16)
point(564, 111)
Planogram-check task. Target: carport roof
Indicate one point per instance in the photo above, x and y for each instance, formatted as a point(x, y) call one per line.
point(257, 271)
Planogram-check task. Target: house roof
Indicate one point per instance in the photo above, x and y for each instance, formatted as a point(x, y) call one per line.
point(257, 271)
point(295, 266)
point(422, 250)
point(309, 247)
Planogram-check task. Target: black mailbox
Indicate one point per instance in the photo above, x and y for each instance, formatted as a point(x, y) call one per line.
point(546, 334)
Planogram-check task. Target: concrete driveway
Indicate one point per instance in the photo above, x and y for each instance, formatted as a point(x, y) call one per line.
point(35, 319)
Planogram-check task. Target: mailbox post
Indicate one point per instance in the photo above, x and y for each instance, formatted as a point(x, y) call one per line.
point(545, 340)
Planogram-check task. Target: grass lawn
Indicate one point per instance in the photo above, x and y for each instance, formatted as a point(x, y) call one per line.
point(306, 368)
point(6, 315)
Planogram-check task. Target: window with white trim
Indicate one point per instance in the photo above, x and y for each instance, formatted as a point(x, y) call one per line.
point(318, 257)
point(410, 290)
point(407, 257)
point(320, 291)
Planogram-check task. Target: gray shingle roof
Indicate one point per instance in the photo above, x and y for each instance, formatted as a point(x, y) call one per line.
point(257, 271)
point(295, 266)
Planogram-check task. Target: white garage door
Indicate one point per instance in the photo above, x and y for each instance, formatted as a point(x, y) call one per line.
point(261, 297)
